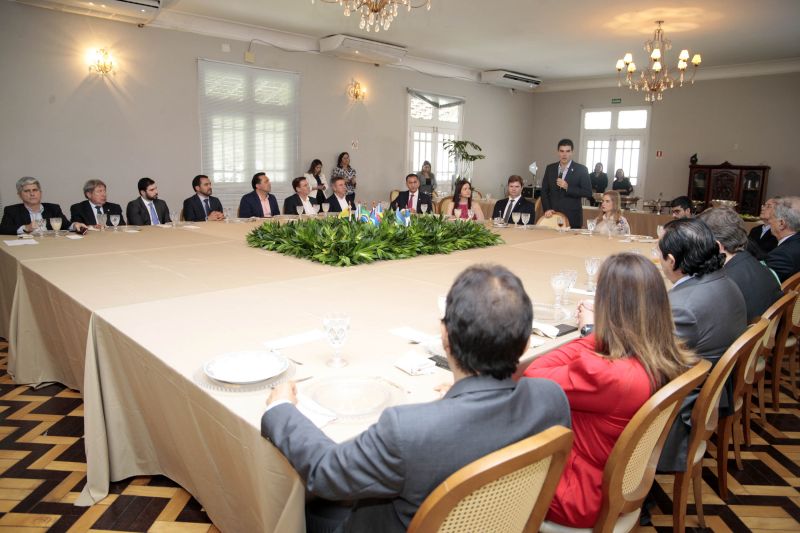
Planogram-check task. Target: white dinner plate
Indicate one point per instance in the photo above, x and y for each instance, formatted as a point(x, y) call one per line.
point(352, 396)
point(242, 368)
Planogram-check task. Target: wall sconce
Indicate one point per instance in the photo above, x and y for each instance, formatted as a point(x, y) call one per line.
point(356, 92)
point(100, 61)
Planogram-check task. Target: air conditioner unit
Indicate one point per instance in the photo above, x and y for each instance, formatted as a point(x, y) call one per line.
point(513, 80)
point(133, 11)
point(358, 49)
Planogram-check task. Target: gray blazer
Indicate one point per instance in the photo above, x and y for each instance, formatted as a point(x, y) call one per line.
point(759, 286)
point(413, 448)
point(709, 314)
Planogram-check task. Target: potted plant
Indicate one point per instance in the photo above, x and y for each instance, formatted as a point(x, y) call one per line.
point(464, 160)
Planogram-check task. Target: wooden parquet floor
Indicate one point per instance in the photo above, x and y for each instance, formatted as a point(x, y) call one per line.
point(43, 469)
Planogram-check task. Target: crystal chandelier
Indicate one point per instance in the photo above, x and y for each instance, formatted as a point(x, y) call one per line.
point(377, 14)
point(656, 78)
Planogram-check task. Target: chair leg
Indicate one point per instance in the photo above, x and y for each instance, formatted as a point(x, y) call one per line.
point(723, 436)
point(737, 439)
point(680, 493)
point(697, 484)
point(761, 403)
point(777, 366)
point(747, 408)
point(793, 355)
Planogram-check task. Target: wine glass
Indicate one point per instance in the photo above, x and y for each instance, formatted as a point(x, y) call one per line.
point(515, 217)
point(423, 208)
point(102, 219)
point(336, 326)
point(326, 207)
point(227, 212)
point(560, 222)
point(299, 210)
point(470, 214)
point(55, 223)
point(174, 216)
point(590, 225)
point(457, 212)
point(559, 282)
point(114, 221)
point(526, 217)
point(659, 230)
point(592, 266)
point(41, 225)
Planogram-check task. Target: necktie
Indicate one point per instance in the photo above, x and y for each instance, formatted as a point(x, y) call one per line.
point(153, 216)
point(410, 203)
point(99, 211)
point(206, 206)
point(509, 209)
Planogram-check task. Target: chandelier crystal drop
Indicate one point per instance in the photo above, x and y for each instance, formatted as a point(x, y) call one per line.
point(656, 78)
point(377, 15)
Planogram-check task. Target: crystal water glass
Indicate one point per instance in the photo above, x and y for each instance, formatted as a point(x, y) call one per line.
point(423, 208)
point(590, 225)
point(326, 207)
point(102, 219)
point(592, 266)
point(659, 231)
point(299, 209)
point(457, 212)
point(227, 214)
point(526, 217)
point(114, 221)
point(174, 217)
point(41, 225)
point(336, 326)
point(559, 283)
point(55, 223)
point(515, 217)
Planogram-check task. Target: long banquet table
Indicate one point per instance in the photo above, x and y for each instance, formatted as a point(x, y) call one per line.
point(129, 319)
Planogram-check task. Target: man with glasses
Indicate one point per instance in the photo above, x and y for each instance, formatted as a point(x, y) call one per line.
point(784, 223)
point(761, 236)
point(681, 207)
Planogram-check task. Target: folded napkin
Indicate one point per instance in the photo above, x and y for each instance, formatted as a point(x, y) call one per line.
point(295, 340)
point(191, 226)
point(545, 330)
point(581, 291)
point(414, 364)
point(20, 242)
point(74, 237)
point(318, 415)
point(536, 342)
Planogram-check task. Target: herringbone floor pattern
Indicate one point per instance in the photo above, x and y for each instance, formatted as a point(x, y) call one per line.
point(43, 467)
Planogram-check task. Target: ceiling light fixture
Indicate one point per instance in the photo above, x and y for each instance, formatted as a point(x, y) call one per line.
point(655, 79)
point(377, 14)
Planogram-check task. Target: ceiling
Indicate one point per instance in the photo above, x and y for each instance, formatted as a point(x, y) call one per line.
point(551, 39)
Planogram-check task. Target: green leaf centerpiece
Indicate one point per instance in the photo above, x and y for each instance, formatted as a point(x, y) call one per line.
point(346, 242)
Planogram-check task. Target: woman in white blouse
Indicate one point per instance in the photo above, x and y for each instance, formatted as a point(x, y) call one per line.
point(611, 220)
point(316, 181)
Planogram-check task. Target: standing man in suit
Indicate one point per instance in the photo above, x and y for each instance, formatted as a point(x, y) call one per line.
point(393, 466)
point(201, 206)
point(413, 198)
point(761, 236)
point(785, 225)
point(299, 198)
point(95, 204)
point(339, 201)
point(260, 203)
point(514, 203)
point(147, 209)
point(21, 218)
point(564, 184)
point(709, 312)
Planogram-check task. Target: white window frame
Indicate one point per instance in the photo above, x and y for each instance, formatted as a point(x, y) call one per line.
point(614, 134)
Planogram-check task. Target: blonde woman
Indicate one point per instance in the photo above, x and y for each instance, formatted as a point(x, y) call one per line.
point(610, 219)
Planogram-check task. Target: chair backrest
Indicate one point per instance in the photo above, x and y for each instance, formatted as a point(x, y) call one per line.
point(705, 413)
point(394, 194)
point(506, 491)
point(537, 209)
point(791, 284)
point(552, 222)
point(477, 195)
point(746, 366)
point(631, 467)
point(445, 205)
point(777, 314)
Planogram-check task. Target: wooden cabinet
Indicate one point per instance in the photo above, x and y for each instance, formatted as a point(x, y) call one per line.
point(746, 185)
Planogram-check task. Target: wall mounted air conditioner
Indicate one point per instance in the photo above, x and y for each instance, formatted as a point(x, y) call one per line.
point(133, 11)
point(510, 79)
point(364, 50)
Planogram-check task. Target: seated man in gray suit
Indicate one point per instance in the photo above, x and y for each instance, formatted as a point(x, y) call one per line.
point(147, 209)
point(399, 460)
point(784, 223)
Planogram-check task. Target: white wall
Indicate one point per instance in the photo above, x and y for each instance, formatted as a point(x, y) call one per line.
point(64, 125)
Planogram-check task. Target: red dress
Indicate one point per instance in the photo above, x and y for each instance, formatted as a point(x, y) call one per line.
point(603, 396)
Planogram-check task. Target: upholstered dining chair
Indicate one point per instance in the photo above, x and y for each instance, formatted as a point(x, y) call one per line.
point(552, 222)
point(631, 467)
point(705, 420)
point(394, 194)
point(507, 491)
point(537, 209)
point(445, 205)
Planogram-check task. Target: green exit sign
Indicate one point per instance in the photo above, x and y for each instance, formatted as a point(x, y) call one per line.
point(616, 100)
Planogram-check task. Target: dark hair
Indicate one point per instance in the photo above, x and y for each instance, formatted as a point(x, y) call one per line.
point(296, 182)
point(727, 228)
point(412, 175)
point(144, 183)
point(335, 179)
point(692, 245)
point(488, 320)
point(313, 165)
point(257, 179)
point(514, 178)
point(683, 202)
point(196, 180)
point(565, 142)
point(339, 160)
point(457, 193)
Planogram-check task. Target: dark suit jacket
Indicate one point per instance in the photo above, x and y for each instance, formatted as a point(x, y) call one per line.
point(785, 258)
point(522, 206)
point(599, 183)
point(17, 215)
point(623, 186)
point(138, 215)
point(567, 201)
point(193, 208)
point(709, 314)
point(334, 203)
point(250, 205)
point(402, 201)
point(291, 203)
point(413, 448)
point(83, 212)
point(764, 244)
point(758, 285)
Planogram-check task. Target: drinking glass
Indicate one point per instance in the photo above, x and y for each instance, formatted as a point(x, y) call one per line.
point(325, 207)
point(592, 266)
point(470, 214)
point(515, 217)
point(336, 326)
point(423, 208)
point(299, 209)
point(526, 217)
point(590, 225)
point(559, 282)
point(55, 223)
point(659, 230)
point(174, 216)
point(102, 219)
point(457, 212)
point(115, 221)
point(227, 212)
point(41, 224)
point(560, 222)
point(655, 255)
